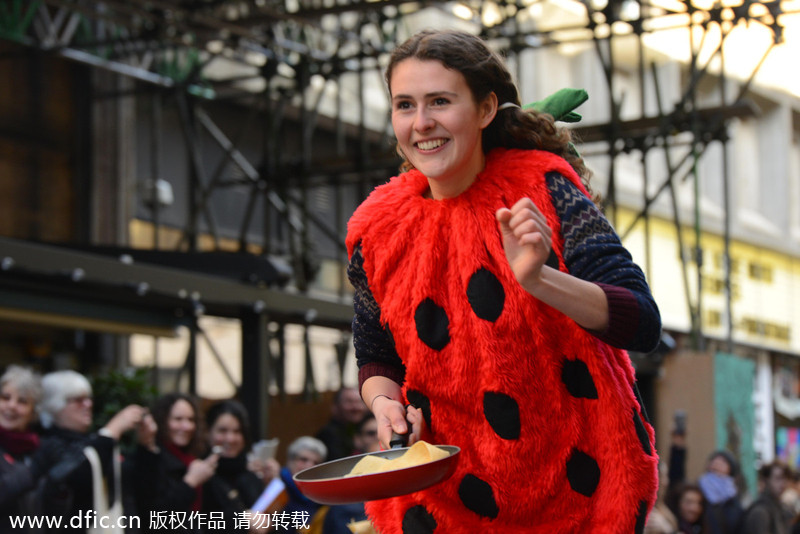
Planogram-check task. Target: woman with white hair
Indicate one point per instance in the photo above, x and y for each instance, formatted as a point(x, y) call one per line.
point(77, 459)
point(304, 452)
point(20, 390)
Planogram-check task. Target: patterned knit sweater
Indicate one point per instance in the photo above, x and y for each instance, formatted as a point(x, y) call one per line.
point(551, 434)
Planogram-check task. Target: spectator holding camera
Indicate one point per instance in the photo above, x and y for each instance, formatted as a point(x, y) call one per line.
point(234, 488)
point(83, 470)
point(169, 474)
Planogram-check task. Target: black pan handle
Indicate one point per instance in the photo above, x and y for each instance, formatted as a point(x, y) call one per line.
point(398, 440)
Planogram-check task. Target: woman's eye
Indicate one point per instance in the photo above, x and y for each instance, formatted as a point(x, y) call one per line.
point(440, 101)
point(402, 105)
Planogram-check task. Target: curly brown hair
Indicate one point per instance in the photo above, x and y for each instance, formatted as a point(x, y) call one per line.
point(161, 411)
point(486, 73)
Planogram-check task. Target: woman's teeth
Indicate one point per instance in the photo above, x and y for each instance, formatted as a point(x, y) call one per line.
point(430, 145)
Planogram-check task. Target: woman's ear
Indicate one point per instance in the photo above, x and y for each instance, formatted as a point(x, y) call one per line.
point(488, 109)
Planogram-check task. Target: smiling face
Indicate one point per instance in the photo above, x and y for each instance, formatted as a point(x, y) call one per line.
point(438, 124)
point(181, 423)
point(16, 410)
point(690, 506)
point(226, 432)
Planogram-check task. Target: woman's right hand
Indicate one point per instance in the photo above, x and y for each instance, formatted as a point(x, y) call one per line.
point(382, 396)
point(199, 471)
point(391, 417)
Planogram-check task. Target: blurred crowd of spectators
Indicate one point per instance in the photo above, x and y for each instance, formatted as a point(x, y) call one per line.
point(188, 471)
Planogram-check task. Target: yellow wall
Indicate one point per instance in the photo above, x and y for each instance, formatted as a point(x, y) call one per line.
point(765, 285)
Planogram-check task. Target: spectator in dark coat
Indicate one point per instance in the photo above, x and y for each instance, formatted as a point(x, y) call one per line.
point(20, 391)
point(346, 413)
point(338, 517)
point(69, 488)
point(767, 514)
point(169, 475)
point(234, 488)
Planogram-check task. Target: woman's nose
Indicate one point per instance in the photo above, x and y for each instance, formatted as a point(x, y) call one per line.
point(423, 120)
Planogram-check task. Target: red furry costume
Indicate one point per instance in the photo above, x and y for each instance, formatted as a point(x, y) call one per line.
point(551, 434)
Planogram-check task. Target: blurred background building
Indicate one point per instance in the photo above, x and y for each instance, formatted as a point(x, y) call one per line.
point(176, 178)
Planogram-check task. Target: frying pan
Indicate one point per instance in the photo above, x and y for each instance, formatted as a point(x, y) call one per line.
point(327, 484)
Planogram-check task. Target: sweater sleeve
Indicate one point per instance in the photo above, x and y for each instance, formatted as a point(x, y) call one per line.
point(593, 252)
point(375, 351)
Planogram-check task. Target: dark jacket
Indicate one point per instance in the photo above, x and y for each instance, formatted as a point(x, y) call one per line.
point(231, 491)
point(765, 516)
point(338, 438)
point(685, 527)
point(723, 517)
point(159, 489)
point(67, 487)
point(18, 476)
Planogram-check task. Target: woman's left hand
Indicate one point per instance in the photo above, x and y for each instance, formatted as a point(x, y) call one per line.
point(527, 239)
